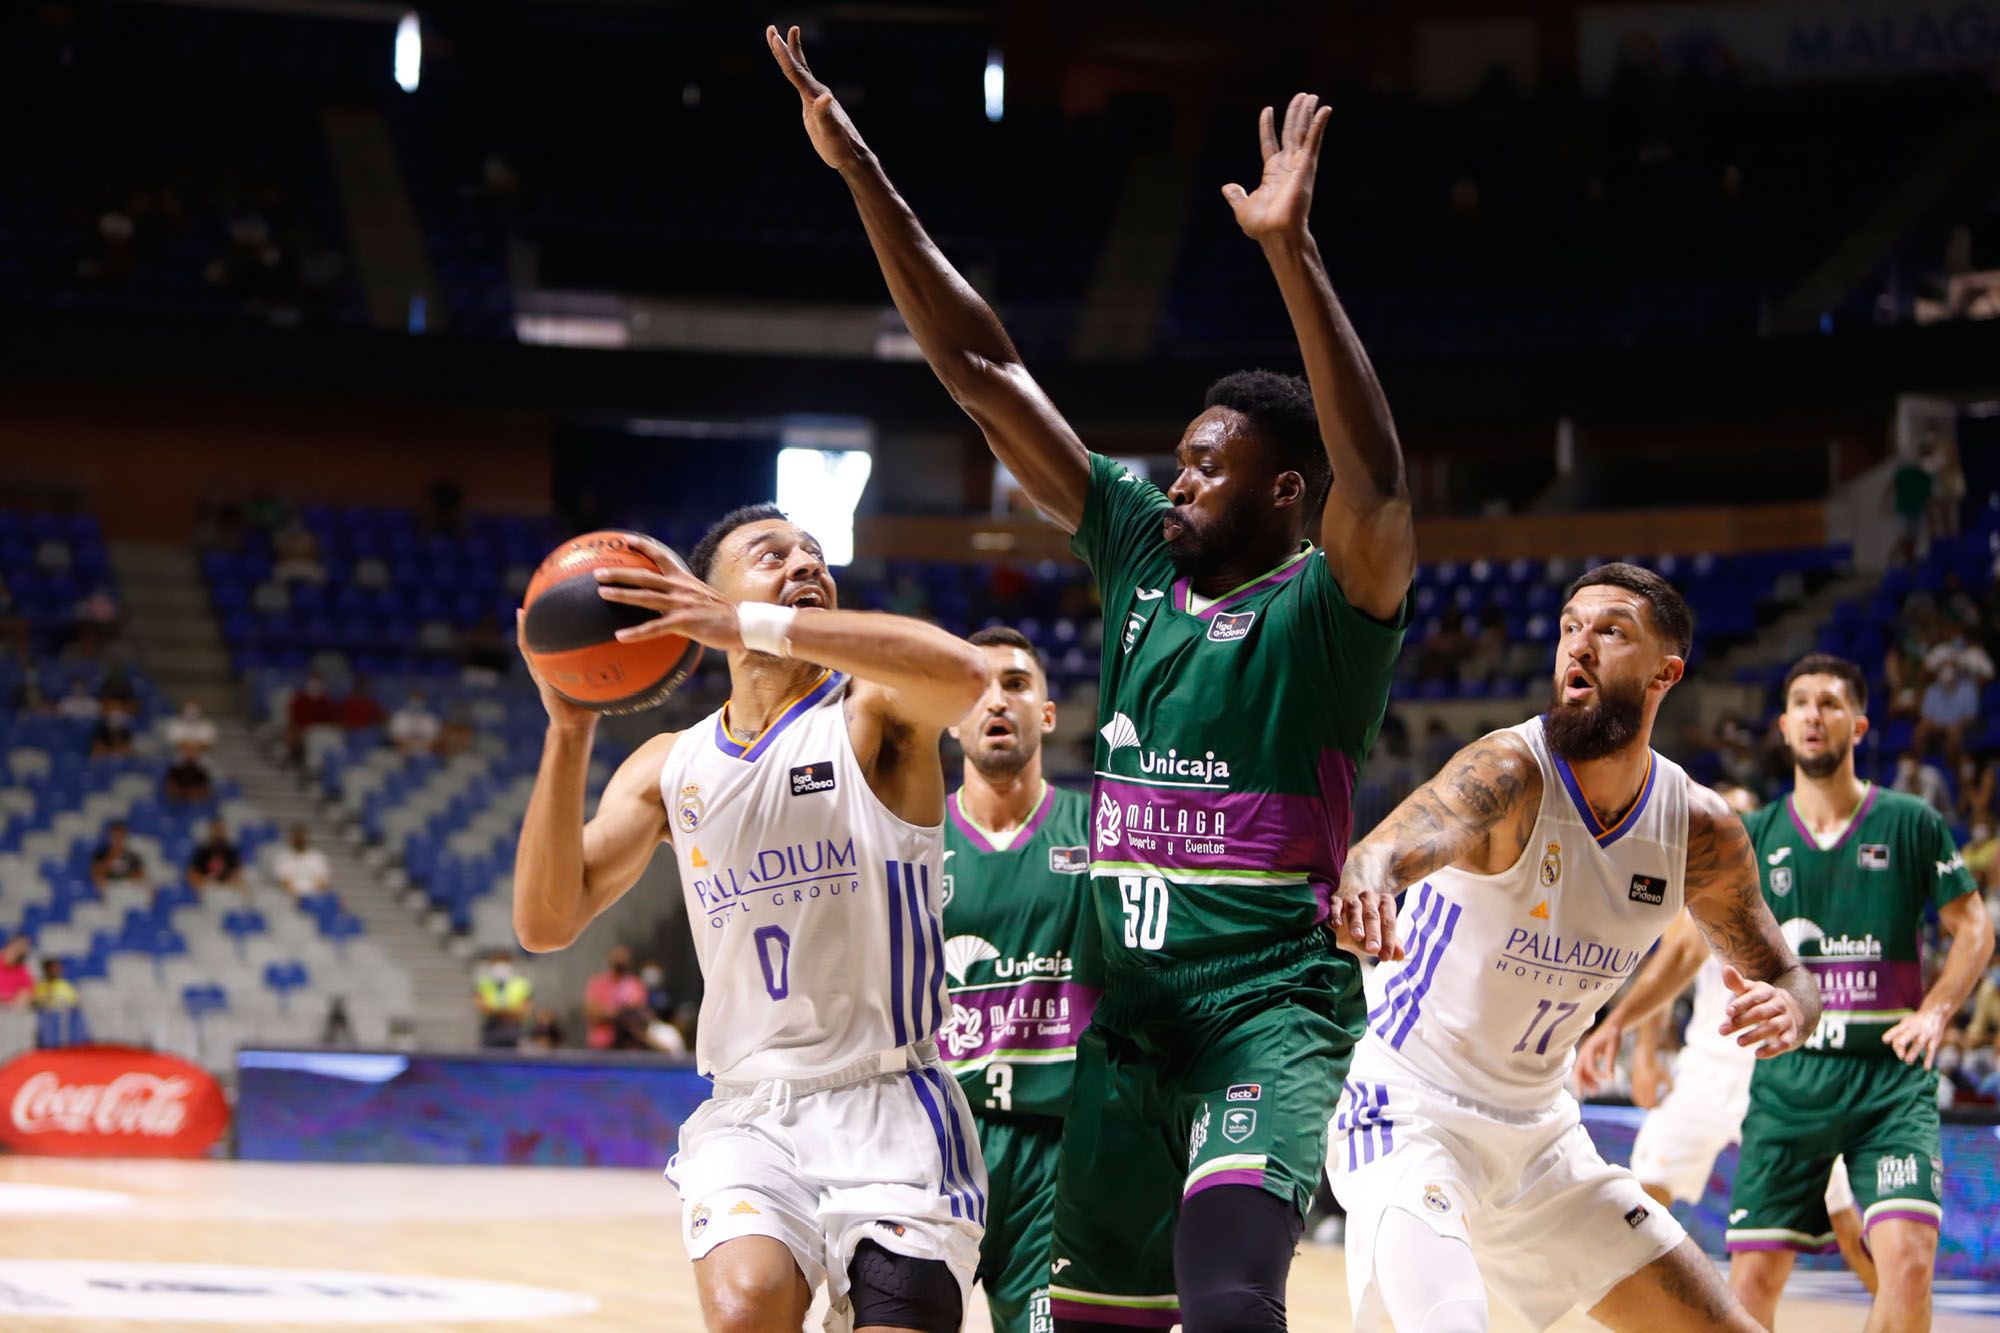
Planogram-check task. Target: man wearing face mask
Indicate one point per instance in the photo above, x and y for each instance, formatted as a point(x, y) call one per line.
point(609, 995)
point(503, 995)
point(1021, 958)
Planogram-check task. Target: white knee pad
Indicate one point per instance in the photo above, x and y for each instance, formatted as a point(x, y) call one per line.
point(1429, 1283)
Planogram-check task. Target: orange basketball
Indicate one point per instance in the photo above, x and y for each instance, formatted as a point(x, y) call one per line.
point(570, 633)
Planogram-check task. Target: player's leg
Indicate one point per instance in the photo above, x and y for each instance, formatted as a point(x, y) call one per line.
point(1678, 1290)
point(890, 1292)
point(1757, 1279)
point(1407, 1185)
point(1111, 1247)
point(1021, 1159)
point(751, 1285)
point(1846, 1219)
point(747, 1219)
point(1679, 1140)
point(1256, 1096)
point(1905, 1251)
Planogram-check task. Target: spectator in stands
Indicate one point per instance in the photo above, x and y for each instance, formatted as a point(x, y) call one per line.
point(297, 552)
point(114, 861)
point(111, 738)
point(216, 861)
point(58, 1009)
point(1439, 655)
point(458, 734)
point(29, 701)
point(414, 728)
point(1919, 778)
point(190, 732)
point(187, 782)
point(78, 704)
point(1909, 497)
point(17, 979)
point(544, 1032)
point(1951, 704)
point(359, 710)
point(1982, 851)
point(311, 718)
point(483, 653)
point(659, 998)
point(1957, 648)
point(614, 1003)
point(301, 868)
point(15, 633)
point(1985, 1025)
point(503, 996)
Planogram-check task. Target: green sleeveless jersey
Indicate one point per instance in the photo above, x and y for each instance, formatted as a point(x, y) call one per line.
point(1854, 912)
point(1228, 743)
point(1020, 954)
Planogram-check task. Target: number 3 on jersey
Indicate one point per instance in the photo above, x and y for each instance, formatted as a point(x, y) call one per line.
point(1000, 1087)
point(1145, 901)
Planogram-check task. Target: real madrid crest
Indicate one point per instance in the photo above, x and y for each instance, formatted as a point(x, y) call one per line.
point(690, 808)
point(1552, 865)
point(1435, 1199)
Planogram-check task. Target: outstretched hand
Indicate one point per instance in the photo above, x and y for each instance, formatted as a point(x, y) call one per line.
point(1278, 207)
point(832, 133)
point(682, 603)
point(1761, 1015)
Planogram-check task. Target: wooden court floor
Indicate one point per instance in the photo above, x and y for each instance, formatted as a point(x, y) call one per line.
point(609, 1239)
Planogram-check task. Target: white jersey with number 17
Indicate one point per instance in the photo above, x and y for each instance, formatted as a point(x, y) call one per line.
point(814, 909)
point(1505, 972)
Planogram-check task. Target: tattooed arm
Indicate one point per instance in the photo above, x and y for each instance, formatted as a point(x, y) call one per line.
point(1476, 813)
point(1775, 1005)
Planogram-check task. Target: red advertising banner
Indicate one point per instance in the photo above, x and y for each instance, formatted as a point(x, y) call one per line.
point(109, 1101)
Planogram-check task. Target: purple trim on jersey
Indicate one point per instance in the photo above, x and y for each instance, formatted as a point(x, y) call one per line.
point(975, 836)
point(1387, 1126)
point(1605, 836)
point(958, 1133)
point(1853, 823)
point(805, 703)
point(1031, 1034)
point(1253, 1175)
point(920, 1026)
point(952, 1195)
point(896, 959)
point(1413, 998)
point(1290, 570)
point(1795, 1246)
point(1125, 1316)
point(1437, 918)
point(936, 988)
point(1422, 917)
point(1364, 1115)
point(1899, 985)
point(1902, 1215)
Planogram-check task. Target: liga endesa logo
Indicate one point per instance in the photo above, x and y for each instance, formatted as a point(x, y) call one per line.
point(109, 1101)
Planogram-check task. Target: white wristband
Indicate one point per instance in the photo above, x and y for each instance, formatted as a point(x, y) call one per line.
point(765, 628)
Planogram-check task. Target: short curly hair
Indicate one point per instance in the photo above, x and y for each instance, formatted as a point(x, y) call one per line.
point(1280, 411)
point(702, 558)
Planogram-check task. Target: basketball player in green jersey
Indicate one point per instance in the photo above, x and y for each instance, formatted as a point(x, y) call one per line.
point(1849, 870)
point(1019, 953)
point(1245, 674)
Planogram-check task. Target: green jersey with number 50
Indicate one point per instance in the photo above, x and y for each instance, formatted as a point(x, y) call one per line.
point(1854, 911)
point(1230, 734)
point(1021, 957)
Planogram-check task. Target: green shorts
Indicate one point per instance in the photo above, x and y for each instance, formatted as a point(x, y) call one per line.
point(1806, 1108)
point(1020, 1156)
point(1218, 1072)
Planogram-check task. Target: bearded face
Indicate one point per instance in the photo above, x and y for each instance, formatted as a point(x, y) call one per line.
point(1607, 721)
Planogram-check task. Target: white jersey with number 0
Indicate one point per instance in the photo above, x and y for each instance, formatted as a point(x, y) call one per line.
point(1505, 972)
point(814, 909)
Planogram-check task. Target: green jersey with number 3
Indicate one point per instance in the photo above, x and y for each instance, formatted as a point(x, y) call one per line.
point(1021, 955)
point(1230, 734)
point(1853, 911)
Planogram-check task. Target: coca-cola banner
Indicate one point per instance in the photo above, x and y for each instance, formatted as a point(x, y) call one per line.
point(109, 1101)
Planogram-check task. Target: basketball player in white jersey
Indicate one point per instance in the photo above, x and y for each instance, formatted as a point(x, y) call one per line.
point(806, 817)
point(1541, 864)
point(1698, 1111)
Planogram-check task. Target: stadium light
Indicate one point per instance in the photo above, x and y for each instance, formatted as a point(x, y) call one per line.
point(996, 87)
point(819, 489)
point(409, 52)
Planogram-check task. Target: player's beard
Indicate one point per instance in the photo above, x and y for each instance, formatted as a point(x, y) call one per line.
point(995, 765)
point(1204, 548)
point(1822, 765)
point(1582, 732)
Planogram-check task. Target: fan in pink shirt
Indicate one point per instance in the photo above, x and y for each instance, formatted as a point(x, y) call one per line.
point(611, 994)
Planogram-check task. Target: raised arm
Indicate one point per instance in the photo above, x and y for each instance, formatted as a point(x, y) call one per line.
point(960, 335)
point(1966, 920)
point(1775, 1005)
point(1664, 975)
point(1477, 812)
point(1366, 528)
point(566, 871)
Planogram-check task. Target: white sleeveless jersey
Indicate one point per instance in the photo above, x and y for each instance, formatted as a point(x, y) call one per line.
point(1711, 1004)
point(814, 909)
point(1505, 972)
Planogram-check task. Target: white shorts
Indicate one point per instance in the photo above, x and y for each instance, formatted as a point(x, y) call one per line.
point(1701, 1115)
point(1552, 1225)
point(892, 1158)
